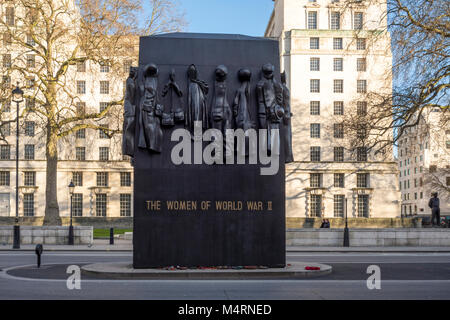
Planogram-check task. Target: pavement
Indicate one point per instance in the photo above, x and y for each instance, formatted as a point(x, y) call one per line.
point(127, 245)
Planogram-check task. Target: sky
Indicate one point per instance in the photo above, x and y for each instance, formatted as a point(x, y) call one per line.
point(248, 17)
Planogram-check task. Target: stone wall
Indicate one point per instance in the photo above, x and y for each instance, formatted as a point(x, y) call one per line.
point(369, 237)
point(96, 222)
point(47, 235)
point(295, 223)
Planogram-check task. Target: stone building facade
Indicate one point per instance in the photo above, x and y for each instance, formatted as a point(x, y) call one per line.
point(88, 157)
point(424, 163)
point(332, 61)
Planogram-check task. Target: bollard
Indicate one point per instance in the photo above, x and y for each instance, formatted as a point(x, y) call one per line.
point(38, 252)
point(111, 235)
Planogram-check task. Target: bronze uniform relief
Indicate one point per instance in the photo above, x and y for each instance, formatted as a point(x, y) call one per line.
point(287, 138)
point(150, 133)
point(270, 99)
point(176, 111)
point(197, 109)
point(129, 115)
point(221, 115)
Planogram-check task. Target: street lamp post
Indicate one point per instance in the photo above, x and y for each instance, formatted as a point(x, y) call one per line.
point(71, 189)
point(346, 233)
point(17, 97)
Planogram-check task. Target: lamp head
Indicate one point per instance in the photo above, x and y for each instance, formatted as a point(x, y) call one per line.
point(71, 187)
point(17, 94)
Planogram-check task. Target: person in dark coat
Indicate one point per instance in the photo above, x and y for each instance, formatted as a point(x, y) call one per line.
point(435, 209)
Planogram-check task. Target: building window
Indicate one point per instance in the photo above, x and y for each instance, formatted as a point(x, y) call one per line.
point(6, 129)
point(80, 108)
point(103, 132)
point(81, 66)
point(127, 65)
point(125, 205)
point(337, 44)
point(361, 131)
point(361, 154)
point(103, 106)
point(314, 85)
point(361, 64)
point(6, 81)
point(31, 60)
point(29, 128)
point(312, 20)
point(315, 154)
point(363, 205)
point(338, 130)
point(5, 152)
point(361, 44)
point(103, 153)
point(314, 64)
point(338, 108)
point(9, 16)
point(77, 178)
point(361, 86)
point(80, 133)
point(361, 108)
point(338, 64)
point(338, 86)
point(6, 105)
point(339, 205)
point(4, 178)
point(30, 40)
point(104, 67)
point(28, 204)
point(29, 103)
point(81, 87)
point(102, 179)
point(104, 87)
point(7, 60)
point(77, 204)
point(314, 43)
point(314, 107)
point(315, 130)
point(7, 40)
point(100, 205)
point(29, 152)
point(358, 20)
point(80, 153)
point(125, 179)
point(362, 180)
point(339, 154)
point(29, 178)
point(335, 22)
point(339, 180)
point(315, 180)
point(316, 205)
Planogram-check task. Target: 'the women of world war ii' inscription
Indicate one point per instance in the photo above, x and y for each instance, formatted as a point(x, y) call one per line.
point(218, 206)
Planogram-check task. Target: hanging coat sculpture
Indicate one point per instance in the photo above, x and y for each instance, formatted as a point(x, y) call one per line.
point(150, 133)
point(129, 116)
point(175, 112)
point(197, 109)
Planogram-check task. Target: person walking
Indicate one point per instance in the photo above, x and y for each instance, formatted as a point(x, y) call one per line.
point(435, 209)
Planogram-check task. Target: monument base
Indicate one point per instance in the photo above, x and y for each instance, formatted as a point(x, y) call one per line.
point(125, 270)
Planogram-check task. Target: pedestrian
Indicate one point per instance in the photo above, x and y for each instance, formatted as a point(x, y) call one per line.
point(435, 210)
point(325, 224)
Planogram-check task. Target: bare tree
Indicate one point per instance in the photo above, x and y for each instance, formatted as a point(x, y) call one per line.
point(49, 39)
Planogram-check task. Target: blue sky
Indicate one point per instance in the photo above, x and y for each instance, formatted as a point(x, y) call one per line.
point(249, 17)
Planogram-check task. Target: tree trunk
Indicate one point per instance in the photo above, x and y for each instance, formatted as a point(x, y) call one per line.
point(51, 187)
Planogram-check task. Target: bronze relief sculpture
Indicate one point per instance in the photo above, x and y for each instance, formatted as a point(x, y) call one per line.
point(289, 157)
point(197, 109)
point(176, 111)
point(242, 101)
point(129, 115)
point(150, 133)
point(270, 100)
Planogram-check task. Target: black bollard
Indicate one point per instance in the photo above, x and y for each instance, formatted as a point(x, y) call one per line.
point(38, 252)
point(111, 235)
